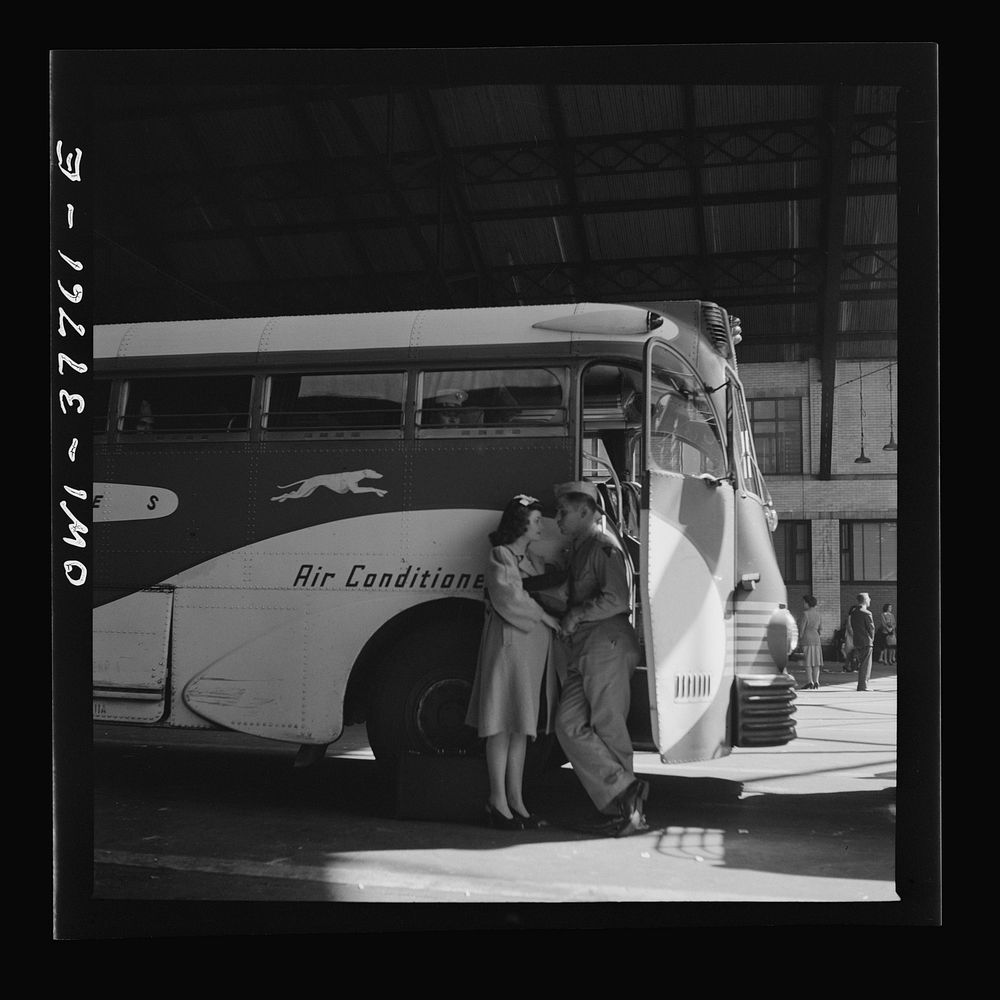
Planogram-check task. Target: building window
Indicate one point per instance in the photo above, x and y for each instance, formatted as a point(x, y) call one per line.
point(868, 551)
point(793, 547)
point(777, 432)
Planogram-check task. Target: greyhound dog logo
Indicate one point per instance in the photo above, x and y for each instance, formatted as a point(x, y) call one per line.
point(338, 482)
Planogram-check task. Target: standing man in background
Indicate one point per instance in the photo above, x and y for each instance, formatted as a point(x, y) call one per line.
point(863, 633)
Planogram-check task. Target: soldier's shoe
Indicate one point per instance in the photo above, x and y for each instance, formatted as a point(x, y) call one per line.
point(633, 799)
point(605, 826)
point(617, 826)
point(635, 823)
point(632, 809)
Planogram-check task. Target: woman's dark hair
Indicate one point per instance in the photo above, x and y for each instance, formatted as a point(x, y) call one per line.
point(810, 600)
point(885, 607)
point(513, 521)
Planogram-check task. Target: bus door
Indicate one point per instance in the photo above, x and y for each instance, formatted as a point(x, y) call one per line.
point(611, 459)
point(131, 640)
point(687, 560)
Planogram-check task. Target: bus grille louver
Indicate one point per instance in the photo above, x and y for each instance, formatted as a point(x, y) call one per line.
point(716, 328)
point(692, 687)
point(764, 710)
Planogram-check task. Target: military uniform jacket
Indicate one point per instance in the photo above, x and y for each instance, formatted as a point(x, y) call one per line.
point(598, 582)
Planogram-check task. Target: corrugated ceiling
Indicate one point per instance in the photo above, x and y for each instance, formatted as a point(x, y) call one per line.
point(258, 198)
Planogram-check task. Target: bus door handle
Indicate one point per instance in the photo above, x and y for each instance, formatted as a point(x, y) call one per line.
point(749, 581)
point(709, 480)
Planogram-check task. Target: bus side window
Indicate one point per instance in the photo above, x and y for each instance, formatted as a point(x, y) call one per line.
point(99, 404)
point(204, 405)
point(509, 400)
point(362, 401)
point(753, 482)
point(144, 421)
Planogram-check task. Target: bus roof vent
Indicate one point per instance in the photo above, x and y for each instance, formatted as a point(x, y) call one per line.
point(608, 322)
point(716, 328)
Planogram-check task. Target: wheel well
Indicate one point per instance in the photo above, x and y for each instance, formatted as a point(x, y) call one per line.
point(357, 697)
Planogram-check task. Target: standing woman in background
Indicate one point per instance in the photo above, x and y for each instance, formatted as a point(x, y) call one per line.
point(887, 629)
point(809, 629)
point(513, 656)
point(878, 646)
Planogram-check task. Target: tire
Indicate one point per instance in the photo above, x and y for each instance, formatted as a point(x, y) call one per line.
point(421, 692)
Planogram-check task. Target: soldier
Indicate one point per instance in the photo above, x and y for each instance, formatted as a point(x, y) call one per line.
point(603, 653)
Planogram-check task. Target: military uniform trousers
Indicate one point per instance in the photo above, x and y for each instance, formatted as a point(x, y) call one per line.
point(593, 708)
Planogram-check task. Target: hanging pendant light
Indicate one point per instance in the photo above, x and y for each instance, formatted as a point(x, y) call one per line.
point(891, 446)
point(862, 459)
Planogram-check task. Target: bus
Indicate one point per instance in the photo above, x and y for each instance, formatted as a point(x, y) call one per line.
point(290, 517)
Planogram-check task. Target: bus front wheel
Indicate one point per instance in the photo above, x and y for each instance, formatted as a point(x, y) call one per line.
point(421, 692)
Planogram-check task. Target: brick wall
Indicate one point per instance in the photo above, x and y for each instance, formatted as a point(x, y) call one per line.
point(802, 379)
point(856, 491)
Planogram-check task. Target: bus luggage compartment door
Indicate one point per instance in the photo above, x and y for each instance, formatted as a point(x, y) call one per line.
point(131, 647)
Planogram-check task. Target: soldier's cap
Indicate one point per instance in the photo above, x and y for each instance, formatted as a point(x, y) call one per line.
point(588, 489)
point(451, 397)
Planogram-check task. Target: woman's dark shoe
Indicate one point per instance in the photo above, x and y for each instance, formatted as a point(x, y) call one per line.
point(500, 822)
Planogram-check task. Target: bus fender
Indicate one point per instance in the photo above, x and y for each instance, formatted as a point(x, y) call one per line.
point(357, 697)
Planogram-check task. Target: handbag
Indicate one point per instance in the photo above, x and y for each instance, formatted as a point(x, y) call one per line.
point(890, 637)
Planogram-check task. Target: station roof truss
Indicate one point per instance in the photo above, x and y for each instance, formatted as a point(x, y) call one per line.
point(778, 202)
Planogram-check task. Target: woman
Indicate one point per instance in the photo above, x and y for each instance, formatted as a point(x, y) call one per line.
point(887, 631)
point(809, 629)
point(878, 645)
point(513, 654)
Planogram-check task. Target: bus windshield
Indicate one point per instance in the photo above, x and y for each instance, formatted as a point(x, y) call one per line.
point(684, 431)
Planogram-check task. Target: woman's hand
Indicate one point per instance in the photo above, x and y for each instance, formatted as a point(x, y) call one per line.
point(552, 623)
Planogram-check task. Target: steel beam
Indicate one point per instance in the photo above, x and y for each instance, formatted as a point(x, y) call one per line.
point(456, 196)
point(402, 213)
point(566, 171)
point(841, 101)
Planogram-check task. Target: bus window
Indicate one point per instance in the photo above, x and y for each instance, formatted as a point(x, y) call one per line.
point(510, 400)
point(203, 405)
point(612, 436)
point(98, 403)
point(367, 401)
point(753, 482)
point(612, 418)
point(684, 432)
